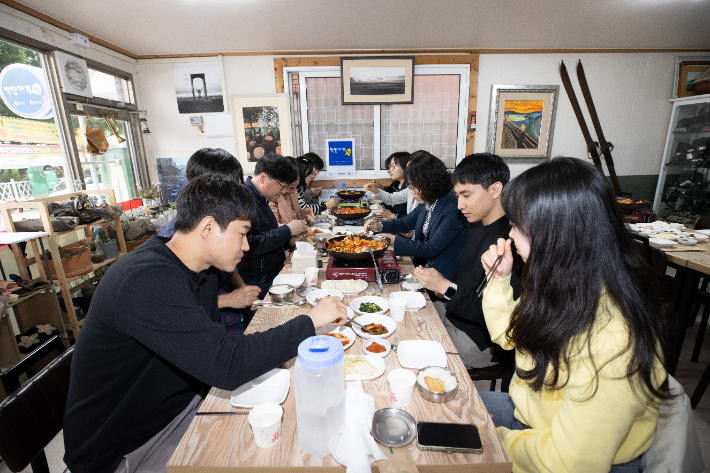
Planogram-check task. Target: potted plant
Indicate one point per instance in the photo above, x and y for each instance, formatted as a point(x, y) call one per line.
point(150, 196)
point(97, 256)
point(75, 259)
point(108, 246)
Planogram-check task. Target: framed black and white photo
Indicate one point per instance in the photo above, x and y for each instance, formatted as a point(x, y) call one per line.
point(377, 80)
point(199, 86)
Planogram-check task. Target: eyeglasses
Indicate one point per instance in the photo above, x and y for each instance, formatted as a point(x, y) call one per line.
point(283, 186)
point(392, 166)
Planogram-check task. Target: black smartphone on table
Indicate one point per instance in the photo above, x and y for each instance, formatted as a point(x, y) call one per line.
point(445, 437)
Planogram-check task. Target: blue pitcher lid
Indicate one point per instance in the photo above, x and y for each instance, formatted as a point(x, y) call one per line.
point(320, 352)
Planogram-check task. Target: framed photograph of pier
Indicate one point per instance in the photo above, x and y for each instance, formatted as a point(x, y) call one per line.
point(199, 86)
point(377, 80)
point(522, 122)
point(262, 125)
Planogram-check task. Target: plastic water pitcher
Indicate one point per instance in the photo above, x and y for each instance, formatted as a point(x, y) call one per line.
point(320, 392)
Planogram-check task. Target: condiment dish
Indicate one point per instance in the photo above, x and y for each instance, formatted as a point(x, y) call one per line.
point(687, 241)
point(384, 343)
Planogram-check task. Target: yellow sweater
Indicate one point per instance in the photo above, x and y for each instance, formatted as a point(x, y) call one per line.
point(569, 430)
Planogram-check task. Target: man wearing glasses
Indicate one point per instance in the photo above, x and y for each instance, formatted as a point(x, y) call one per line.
point(268, 241)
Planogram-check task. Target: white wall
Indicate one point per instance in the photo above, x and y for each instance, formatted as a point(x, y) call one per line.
point(171, 135)
point(631, 92)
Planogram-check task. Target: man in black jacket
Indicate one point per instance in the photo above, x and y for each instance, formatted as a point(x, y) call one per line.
point(152, 342)
point(478, 183)
point(267, 240)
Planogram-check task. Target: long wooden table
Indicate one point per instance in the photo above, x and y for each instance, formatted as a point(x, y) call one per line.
point(226, 442)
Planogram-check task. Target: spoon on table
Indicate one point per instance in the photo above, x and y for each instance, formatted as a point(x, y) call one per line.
point(278, 304)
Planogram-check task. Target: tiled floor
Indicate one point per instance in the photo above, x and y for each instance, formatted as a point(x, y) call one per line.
point(687, 374)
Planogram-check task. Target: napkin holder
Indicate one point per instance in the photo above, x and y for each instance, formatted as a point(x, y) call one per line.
point(304, 257)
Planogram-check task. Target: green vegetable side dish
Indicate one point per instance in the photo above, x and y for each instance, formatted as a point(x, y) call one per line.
point(370, 307)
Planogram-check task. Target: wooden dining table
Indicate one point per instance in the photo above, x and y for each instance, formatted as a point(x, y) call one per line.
point(225, 443)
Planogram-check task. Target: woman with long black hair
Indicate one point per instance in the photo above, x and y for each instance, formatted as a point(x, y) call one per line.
point(587, 330)
point(310, 164)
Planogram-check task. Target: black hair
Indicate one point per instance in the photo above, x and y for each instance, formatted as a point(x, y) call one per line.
point(214, 195)
point(579, 250)
point(217, 160)
point(277, 167)
point(481, 168)
point(315, 159)
point(400, 158)
point(305, 167)
point(428, 174)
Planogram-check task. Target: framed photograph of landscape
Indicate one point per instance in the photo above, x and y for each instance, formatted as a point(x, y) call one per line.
point(262, 125)
point(377, 80)
point(522, 122)
point(687, 69)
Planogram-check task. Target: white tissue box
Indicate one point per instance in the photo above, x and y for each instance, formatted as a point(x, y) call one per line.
point(301, 261)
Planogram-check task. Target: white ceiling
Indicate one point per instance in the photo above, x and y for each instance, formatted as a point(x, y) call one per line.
point(161, 27)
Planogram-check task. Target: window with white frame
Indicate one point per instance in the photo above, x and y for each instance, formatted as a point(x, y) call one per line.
point(435, 122)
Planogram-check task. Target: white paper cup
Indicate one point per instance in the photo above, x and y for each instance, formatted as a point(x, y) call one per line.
point(265, 421)
point(401, 383)
point(676, 226)
point(398, 307)
point(311, 276)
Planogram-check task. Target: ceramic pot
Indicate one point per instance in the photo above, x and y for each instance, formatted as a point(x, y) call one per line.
point(110, 248)
point(75, 265)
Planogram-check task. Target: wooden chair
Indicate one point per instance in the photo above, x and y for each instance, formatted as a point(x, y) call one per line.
point(33, 414)
point(492, 373)
point(700, 388)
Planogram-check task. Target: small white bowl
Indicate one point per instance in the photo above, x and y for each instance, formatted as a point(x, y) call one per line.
point(384, 343)
point(380, 301)
point(314, 297)
point(687, 241)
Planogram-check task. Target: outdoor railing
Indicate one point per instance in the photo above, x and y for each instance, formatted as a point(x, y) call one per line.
point(17, 191)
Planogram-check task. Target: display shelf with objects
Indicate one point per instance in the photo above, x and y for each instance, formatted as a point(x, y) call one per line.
point(35, 304)
point(87, 219)
point(683, 190)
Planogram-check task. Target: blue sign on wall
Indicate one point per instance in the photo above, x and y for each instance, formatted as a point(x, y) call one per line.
point(340, 153)
point(24, 91)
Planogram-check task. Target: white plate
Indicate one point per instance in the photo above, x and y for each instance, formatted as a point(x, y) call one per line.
point(380, 301)
point(706, 232)
point(661, 242)
point(349, 293)
point(293, 279)
point(388, 322)
point(270, 387)
point(696, 235)
point(320, 293)
point(418, 354)
point(322, 232)
point(377, 362)
point(415, 300)
point(335, 328)
point(666, 235)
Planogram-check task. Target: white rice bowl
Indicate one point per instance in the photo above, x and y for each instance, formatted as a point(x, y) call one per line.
point(441, 374)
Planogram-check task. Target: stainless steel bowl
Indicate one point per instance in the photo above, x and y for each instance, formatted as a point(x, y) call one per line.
point(281, 296)
point(431, 396)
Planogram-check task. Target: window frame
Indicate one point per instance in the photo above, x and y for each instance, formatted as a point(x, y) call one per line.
point(304, 72)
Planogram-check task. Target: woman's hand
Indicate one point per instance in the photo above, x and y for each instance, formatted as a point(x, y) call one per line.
point(506, 265)
point(316, 191)
point(387, 235)
point(331, 203)
point(371, 225)
point(372, 187)
point(384, 214)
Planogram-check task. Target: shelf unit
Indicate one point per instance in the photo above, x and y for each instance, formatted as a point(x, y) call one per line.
point(36, 308)
point(70, 320)
point(683, 191)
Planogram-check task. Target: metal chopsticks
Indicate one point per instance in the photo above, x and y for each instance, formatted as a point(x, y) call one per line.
point(488, 277)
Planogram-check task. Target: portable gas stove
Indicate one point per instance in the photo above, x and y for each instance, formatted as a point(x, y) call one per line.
point(642, 215)
point(364, 269)
point(339, 222)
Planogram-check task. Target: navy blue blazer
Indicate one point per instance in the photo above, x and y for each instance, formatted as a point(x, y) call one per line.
point(445, 243)
point(266, 239)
